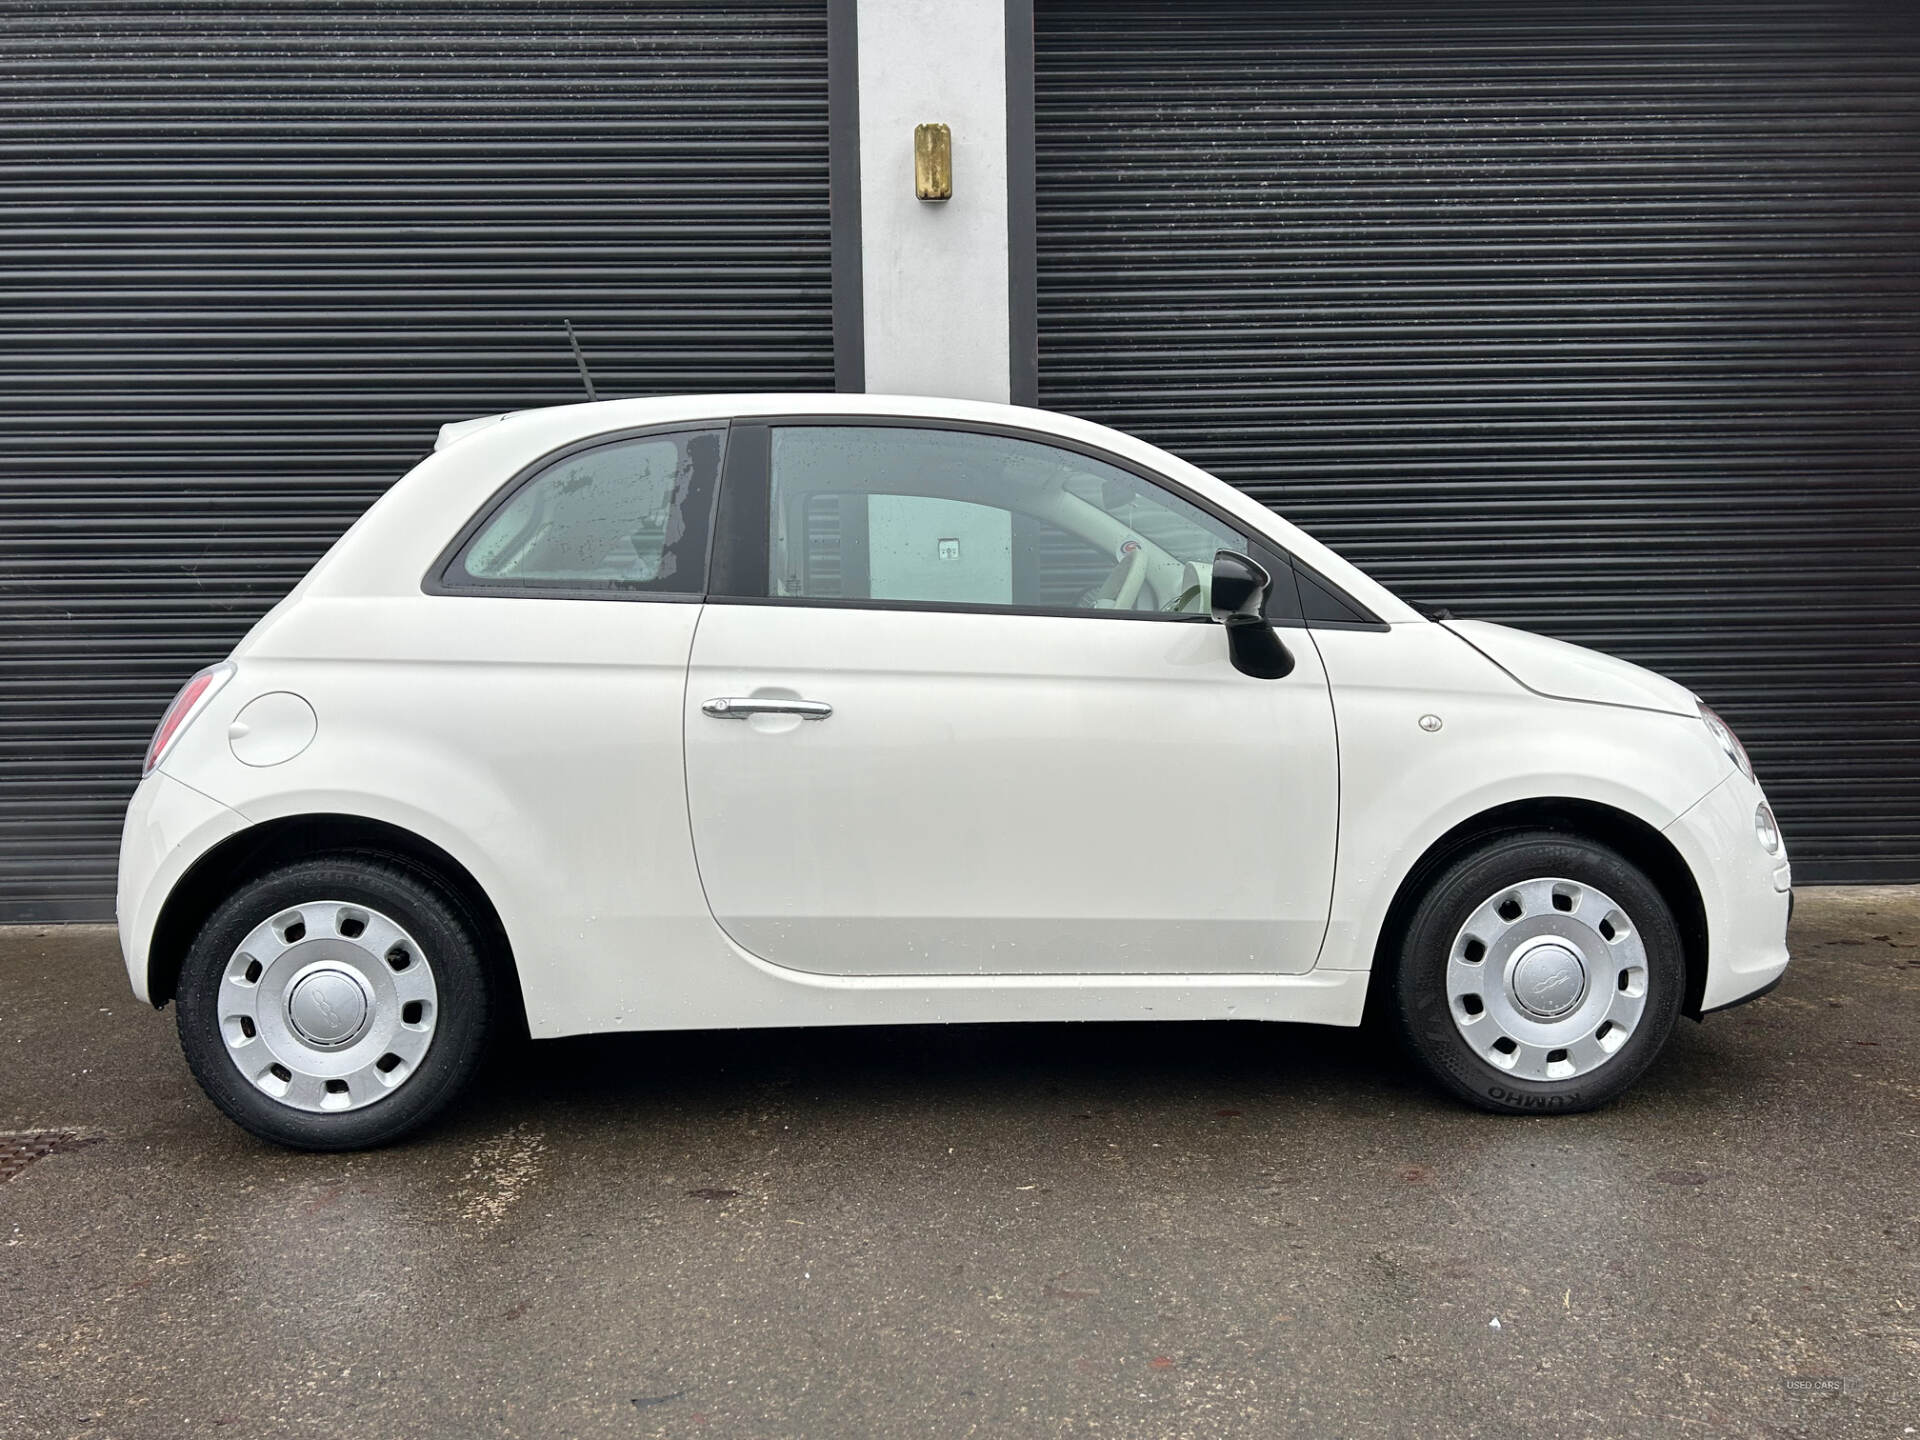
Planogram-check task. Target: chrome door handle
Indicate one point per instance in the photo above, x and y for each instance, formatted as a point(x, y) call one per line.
point(734, 707)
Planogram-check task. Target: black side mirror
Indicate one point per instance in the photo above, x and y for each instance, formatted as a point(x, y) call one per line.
point(1239, 602)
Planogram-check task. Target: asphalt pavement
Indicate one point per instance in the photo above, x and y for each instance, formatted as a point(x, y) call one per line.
point(1101, 1230)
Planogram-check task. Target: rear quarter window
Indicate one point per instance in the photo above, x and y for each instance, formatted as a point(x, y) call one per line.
point(629, 516)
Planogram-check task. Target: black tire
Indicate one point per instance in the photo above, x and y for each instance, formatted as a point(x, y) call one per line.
point(1420, 1003)
point(449, 940)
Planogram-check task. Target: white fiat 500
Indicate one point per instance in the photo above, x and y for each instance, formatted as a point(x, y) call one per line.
point(828, 710)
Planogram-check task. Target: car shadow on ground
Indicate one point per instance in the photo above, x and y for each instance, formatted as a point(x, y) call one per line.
point(1018, 1068)
point(1123, 1060)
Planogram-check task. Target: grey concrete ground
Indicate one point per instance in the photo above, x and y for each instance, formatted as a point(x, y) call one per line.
point(1123, 1231)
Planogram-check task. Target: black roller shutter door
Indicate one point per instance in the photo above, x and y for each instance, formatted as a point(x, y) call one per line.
point(253, 255)
point(1597, 319)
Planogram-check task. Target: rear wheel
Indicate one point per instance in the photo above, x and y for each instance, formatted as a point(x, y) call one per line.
point(1540, 972)
point(335, 1003)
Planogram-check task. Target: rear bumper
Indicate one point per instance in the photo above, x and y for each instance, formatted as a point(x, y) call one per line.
point(169, 826)
point(1747, 894)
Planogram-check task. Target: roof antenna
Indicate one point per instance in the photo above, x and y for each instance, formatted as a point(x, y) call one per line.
point(580, 360)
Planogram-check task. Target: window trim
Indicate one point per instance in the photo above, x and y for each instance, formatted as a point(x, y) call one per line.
point(439, 577)
point(741, 540)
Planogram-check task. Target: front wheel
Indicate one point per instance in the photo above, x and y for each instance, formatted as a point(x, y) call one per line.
point(334, 1004)
point(1540, 972)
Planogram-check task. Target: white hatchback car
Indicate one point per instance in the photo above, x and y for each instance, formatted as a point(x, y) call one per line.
point(827, 710)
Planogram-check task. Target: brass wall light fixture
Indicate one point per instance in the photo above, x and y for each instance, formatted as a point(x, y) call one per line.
point(932, 162)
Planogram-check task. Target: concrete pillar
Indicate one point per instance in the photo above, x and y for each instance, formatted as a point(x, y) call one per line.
point(934, 275)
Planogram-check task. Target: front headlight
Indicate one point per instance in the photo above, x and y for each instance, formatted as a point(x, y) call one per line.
point(1729, 741)
point(1766, 829)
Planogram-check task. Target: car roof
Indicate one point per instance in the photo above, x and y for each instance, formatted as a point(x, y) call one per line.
point(594, 416)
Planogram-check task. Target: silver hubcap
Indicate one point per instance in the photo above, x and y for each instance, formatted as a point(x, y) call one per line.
point(1547, 979)
point(328, 1006)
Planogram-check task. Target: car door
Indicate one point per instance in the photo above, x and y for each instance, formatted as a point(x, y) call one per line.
point(955, 708)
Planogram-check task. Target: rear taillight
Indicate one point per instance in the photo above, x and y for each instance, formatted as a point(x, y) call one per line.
point(191, 700)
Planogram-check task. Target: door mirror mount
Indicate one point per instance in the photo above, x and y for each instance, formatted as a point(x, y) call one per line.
point(1240, 588)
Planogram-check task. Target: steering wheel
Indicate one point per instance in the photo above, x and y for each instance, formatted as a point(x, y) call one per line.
point(1121, 589)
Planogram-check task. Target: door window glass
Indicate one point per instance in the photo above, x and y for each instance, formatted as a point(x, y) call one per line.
point(629, 516)
point(955, 517)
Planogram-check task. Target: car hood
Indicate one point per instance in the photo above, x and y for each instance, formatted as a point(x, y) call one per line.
point(1571, 672)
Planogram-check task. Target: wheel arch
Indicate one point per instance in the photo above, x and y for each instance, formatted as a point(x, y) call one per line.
point(272, 843)
point(1632, 837)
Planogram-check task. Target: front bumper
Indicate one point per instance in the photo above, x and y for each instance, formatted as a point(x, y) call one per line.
point(1747, 894)
point(1766, 989)
point(169, 826)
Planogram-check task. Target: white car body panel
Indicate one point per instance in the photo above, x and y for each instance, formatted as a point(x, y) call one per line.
point(545, 745)
point(1009, 794)
point(1747, 905)
point(1570, 672)
point(169, 826)
point(1403, 787)
point(536, 741)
